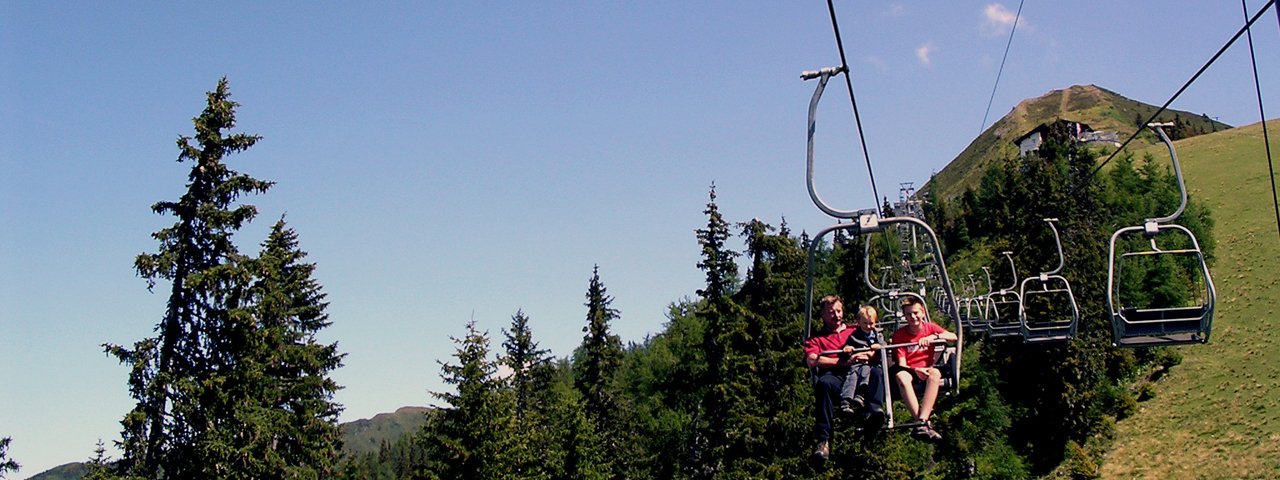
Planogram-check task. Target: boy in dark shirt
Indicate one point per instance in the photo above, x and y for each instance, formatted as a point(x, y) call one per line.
point(853, 393)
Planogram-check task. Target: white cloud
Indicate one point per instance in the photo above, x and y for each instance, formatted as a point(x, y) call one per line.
point(925, 53)
point(878, 63)
point(895, 10)
point(998, 20)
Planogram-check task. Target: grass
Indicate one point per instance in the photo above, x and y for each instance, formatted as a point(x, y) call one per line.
point(1217, 415)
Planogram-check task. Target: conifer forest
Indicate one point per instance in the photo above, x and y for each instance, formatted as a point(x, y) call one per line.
point(232, 383)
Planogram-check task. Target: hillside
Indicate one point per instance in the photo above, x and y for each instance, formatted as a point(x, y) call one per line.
point(1218, 414)
point(365, 435)
point(1099, 108)
point(358, 437)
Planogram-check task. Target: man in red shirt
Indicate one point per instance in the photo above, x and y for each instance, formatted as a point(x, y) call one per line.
point(915, 362)
point(831, 370)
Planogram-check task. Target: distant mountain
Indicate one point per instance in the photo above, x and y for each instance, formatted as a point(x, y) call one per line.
point(359, 436)
point(70, 471)
point(365, 435)
point(1101, 109)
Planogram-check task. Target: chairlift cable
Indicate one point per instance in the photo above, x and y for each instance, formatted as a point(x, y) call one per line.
point(844, 64)
point(1001, 71)
point(1175, 96)
point(1266, 139)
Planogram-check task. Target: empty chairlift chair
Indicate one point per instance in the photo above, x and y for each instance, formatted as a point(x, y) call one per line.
point(1001, 322)
point(1159, 249)
point(1007, 302)
point(1049, 310)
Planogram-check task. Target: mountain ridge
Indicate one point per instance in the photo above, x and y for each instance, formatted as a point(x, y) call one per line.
point(1101, 109)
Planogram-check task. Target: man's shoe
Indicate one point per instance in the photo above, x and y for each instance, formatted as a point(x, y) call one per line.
point(857, 402)
point(846, 406)
point(873, 419)
point(823, 450)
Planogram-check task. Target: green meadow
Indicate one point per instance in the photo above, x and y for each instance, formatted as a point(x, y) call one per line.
point(1217, 415)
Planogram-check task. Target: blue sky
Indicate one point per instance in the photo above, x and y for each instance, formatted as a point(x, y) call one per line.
point(447, 161)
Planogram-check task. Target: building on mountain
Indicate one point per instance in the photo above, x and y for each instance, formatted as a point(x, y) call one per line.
point(1064, 131)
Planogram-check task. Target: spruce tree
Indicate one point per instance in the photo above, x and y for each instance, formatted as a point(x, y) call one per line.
point(601, 353)
point(173, 372)
point(470, 438)
point(281, 419)
point(717, 259)
point(598, 359)
point(530, 383)
point(723, 329)
point(7, 465)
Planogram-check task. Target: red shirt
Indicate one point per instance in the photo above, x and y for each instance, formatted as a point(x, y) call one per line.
point(916, 356)
point(825, 342)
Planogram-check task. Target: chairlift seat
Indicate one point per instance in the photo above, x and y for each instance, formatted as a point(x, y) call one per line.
point(1151, 326)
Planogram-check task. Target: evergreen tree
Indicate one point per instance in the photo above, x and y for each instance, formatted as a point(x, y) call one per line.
point(173, 372)
point(7, 464)
point(471, 437)
point(99, 466)
point(530, 382)
point(530, 365)
point(599, 357)
point(280, 420)
point(717, 259)
point(601, 353)
point(705, 457)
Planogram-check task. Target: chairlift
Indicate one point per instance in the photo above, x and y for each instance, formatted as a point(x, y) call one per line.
point(1006, 302)
point(973, 313)
point(1001, 322)
point(868, 222)
point(1044, 297)
point(1138, 320)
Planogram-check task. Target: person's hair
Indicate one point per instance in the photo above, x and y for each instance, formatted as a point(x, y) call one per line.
point(910, 300)
point(868, 311)
point(829, 300)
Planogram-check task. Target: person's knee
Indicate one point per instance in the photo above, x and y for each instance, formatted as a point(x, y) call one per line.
point(935, 374)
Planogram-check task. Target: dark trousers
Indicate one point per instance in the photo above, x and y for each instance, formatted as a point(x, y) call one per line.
point(826, 389)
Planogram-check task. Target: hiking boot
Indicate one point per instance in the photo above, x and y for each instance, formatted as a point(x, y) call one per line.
point(926, 433)
point(822, 451)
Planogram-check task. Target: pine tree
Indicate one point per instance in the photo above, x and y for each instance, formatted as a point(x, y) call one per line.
point(7, 464)
point(470, 437)
point(99, 466)
point(173, 371)
point(717, 259)
point(280, 418)
point(598, 359)
point(530, 365)
point(530, 383)
point(722, 326)
point(601, 352)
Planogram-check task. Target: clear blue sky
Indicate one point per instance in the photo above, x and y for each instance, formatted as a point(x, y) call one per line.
point(443, 161)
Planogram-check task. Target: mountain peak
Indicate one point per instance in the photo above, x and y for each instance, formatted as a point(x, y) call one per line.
point(1090, 104)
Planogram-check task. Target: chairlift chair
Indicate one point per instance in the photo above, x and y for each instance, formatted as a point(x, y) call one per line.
point(1057, 314)
point(1138, 324)
point(1001, 322)
point(1006, 302)
point(867, 222)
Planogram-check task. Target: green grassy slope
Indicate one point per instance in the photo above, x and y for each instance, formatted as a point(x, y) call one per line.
point(1218, 414)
